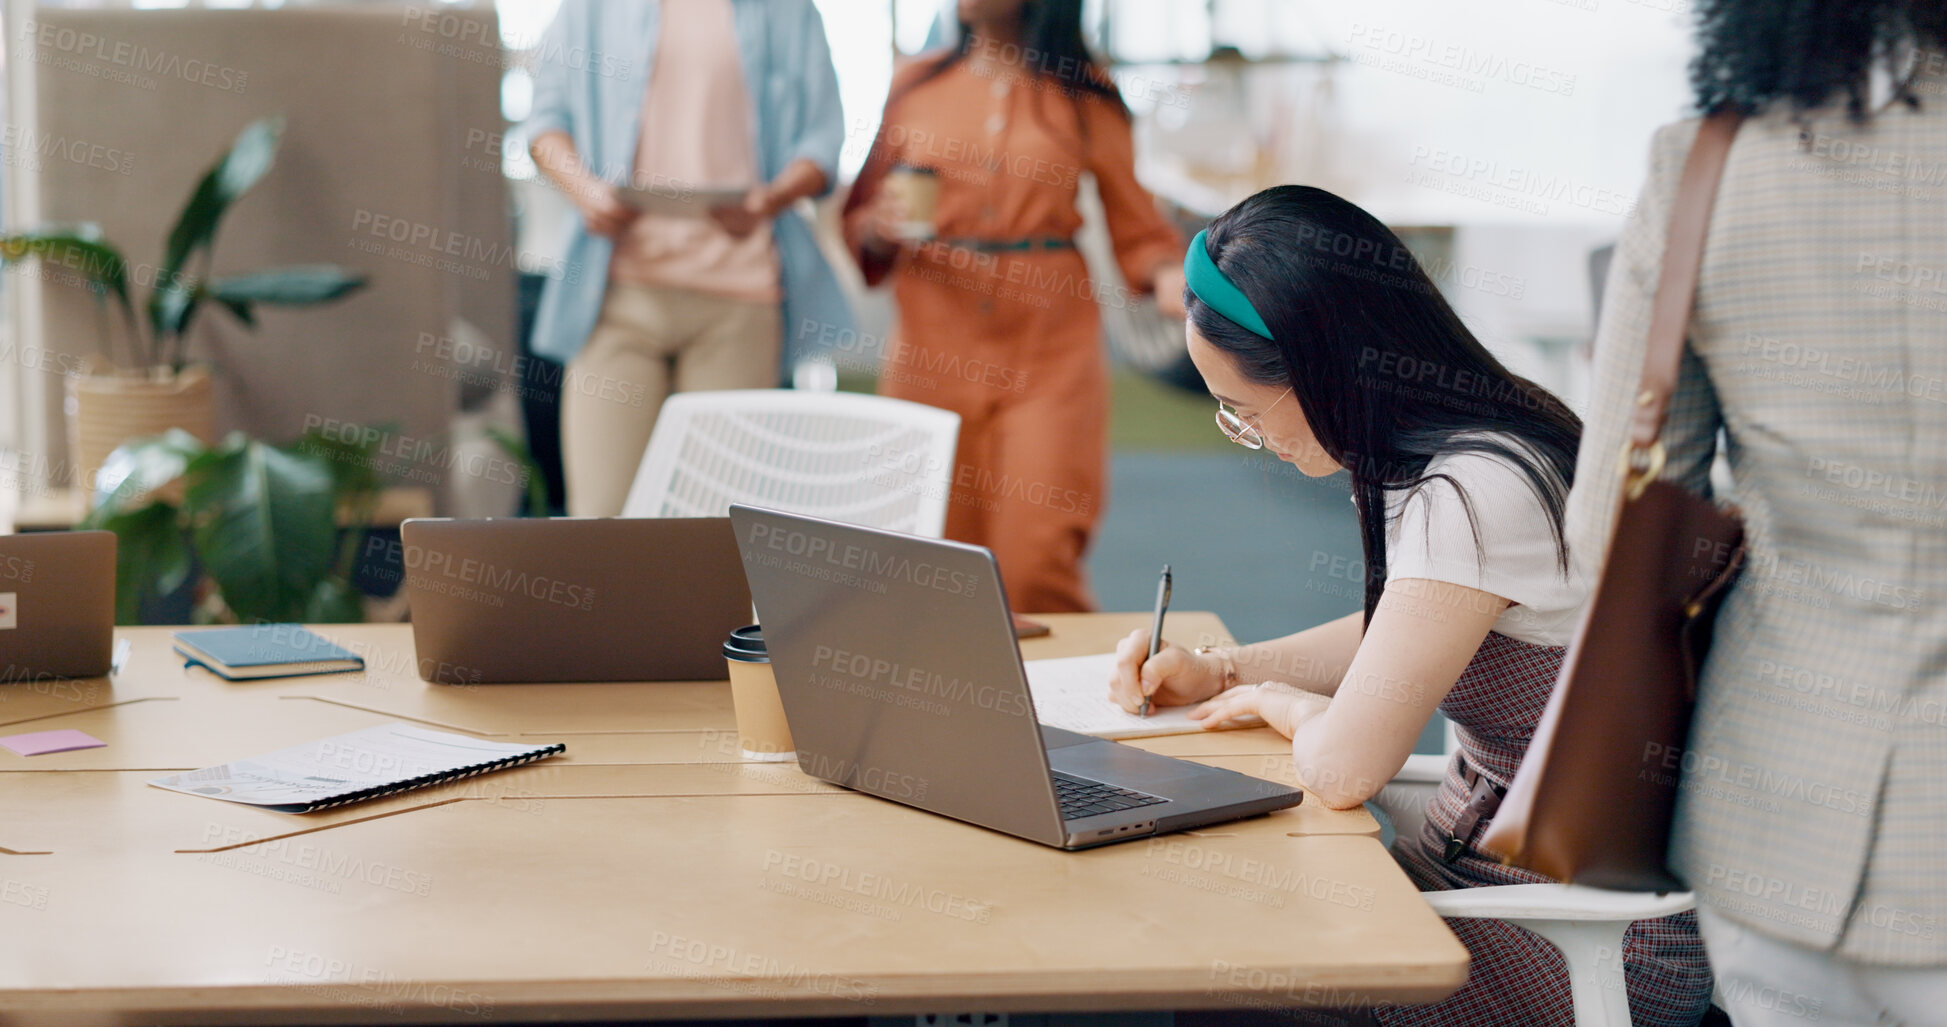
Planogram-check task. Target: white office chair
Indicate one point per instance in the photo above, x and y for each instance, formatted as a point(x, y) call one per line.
point(883, 463)
point(1586, 924)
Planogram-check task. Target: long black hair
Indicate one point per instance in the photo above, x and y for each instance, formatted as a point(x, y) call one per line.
point(1385, 372)
point(1051, 47)
point(1756, 52)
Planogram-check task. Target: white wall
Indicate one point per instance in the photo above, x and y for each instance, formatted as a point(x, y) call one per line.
point(1524, 112)
point(1525, 124)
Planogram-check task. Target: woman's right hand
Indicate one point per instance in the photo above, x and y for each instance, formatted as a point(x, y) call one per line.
point(1173, 677)
point(879, 222)
point(601, 209)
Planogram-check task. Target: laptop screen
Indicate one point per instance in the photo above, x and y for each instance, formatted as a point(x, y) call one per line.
point(896, 661)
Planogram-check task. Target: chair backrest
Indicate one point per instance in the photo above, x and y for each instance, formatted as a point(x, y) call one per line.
point(883, 463)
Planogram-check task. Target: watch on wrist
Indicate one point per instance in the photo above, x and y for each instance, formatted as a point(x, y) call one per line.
point(1230, 665)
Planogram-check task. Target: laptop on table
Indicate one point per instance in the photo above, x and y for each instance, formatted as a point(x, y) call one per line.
point(897, 664)
point(572, 599)
point(57, 605)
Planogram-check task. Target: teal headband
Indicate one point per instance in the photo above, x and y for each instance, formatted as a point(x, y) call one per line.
point(1217, 292)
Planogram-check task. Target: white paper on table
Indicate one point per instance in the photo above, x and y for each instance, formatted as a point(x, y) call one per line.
point(1073, 693)
point(292, 779)
point(687, 202)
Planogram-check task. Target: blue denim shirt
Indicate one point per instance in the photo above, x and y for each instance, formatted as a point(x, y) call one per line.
point(590, 72)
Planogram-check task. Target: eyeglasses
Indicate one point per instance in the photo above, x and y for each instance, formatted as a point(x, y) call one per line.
point(1245, 433)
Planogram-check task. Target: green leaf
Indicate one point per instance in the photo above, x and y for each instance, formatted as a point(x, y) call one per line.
point(171, 305)
point(333, 602)
point(264, 527)
point(78, 249)
point(288, 286)
point(242, 312)
point(355, 485)
point(233, 174)
point(151, 557)
point(158, 460)
point(353, 464)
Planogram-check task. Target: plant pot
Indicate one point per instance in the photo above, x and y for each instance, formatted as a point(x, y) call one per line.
point(106, 410)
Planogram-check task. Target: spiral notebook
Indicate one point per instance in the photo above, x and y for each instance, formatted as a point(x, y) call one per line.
point(353, 767)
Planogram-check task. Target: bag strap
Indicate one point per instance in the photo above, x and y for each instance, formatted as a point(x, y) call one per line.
point(1676, 293)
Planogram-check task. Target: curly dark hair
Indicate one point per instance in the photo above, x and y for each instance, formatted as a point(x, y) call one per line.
point(1757, 52)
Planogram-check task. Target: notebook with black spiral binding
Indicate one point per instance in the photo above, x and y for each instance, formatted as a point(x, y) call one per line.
point(354, 767)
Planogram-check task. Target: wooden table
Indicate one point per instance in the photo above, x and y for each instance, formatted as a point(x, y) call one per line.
point(649, 872)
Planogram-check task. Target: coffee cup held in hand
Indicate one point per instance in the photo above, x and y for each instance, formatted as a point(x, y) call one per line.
point(918, 190)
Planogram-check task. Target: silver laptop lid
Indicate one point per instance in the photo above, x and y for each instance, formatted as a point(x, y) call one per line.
point(57, 605)
point(896, 660)
point(529, 599)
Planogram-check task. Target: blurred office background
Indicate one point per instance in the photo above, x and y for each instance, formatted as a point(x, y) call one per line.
point(1504, 138)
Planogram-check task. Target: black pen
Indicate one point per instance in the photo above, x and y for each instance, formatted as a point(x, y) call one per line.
point(1156, 631)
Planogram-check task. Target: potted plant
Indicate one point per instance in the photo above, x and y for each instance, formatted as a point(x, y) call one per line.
point(248, 532)
point(148, 385)
point(270, 533)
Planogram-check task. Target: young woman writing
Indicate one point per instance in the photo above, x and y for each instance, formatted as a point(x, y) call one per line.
point(1322, 339)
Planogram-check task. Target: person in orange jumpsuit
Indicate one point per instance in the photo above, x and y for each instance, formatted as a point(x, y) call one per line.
point(997, 314)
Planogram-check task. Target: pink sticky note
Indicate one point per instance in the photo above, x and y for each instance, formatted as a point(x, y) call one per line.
point(40, 743)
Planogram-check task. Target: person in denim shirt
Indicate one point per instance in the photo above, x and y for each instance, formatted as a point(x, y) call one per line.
point(677, 97)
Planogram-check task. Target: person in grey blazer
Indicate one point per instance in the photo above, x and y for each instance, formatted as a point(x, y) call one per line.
point(1812, 817)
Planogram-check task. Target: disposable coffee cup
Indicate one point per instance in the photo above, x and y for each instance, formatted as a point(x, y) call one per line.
point(761, 729)
point(920, 189)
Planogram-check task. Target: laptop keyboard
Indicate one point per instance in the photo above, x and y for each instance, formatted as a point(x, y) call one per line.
point(1081, 797)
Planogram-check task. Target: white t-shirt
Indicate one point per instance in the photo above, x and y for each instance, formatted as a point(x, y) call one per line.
point(1429, 536)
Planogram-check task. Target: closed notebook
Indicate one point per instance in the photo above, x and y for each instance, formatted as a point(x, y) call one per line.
point(353, 767)
point(264, 651)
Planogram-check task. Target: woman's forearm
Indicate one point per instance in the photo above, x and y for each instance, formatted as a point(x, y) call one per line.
point(800, 179)
point(556, 157)
point(1314, 659)
point(1424, 634)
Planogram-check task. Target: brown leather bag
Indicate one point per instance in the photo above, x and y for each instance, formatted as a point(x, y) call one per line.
point(1592, 800)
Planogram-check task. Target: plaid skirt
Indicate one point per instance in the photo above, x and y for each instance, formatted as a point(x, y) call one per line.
point(1515, 977)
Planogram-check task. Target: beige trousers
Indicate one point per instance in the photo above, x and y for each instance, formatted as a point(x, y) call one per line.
point(647, 343)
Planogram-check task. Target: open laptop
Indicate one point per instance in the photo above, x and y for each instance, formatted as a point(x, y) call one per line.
point(896, 660)
point(572, 599)
point(57, 605)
